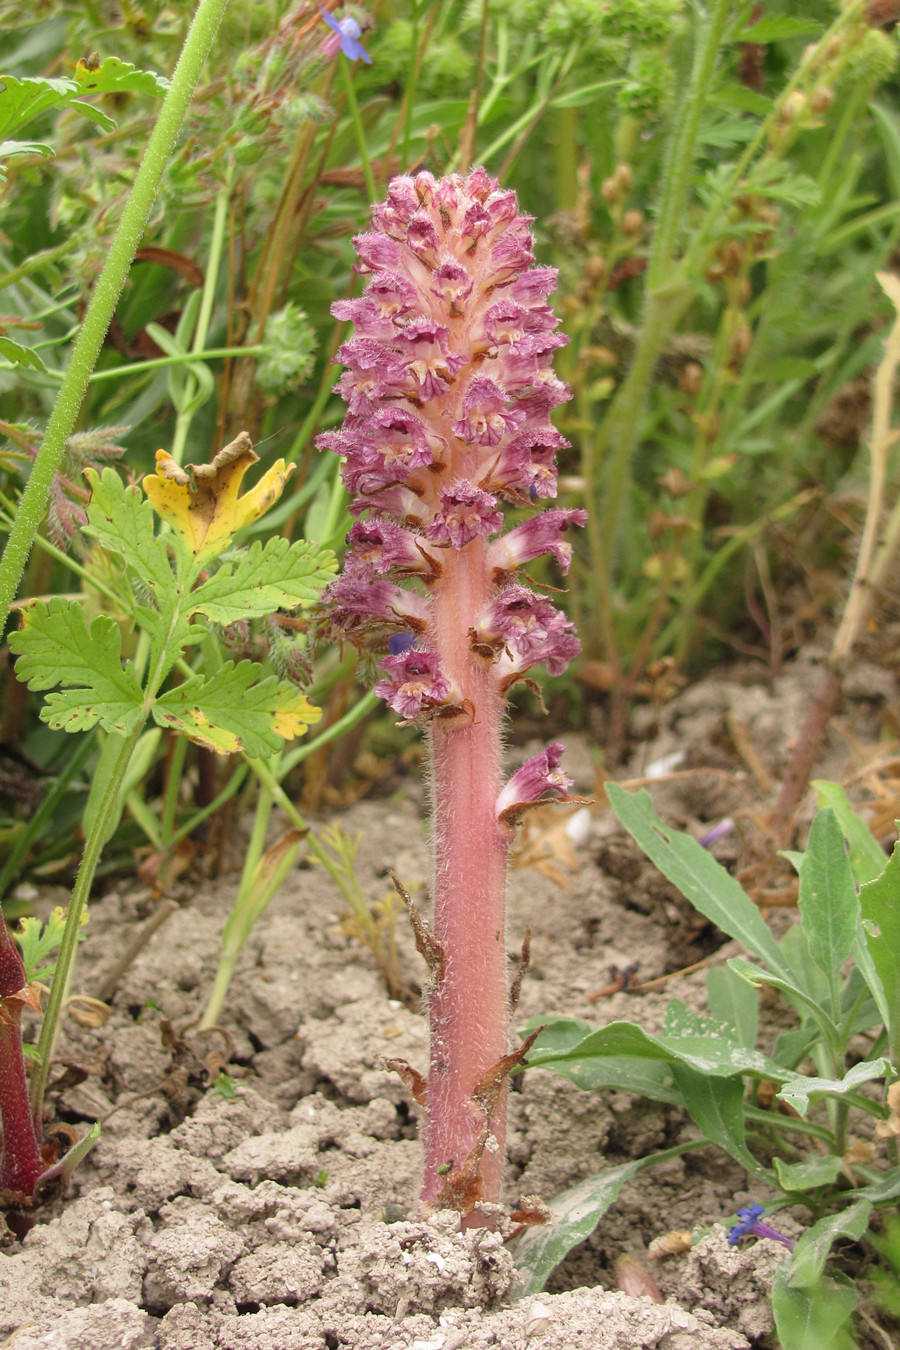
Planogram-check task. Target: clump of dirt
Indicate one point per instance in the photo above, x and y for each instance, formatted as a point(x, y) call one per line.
point(279, 1208)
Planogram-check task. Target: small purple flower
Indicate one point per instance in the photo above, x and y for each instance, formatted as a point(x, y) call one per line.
point(520, 629)
point(750, 1226)
point(359, 606)
point(541, 534)
point(377, 547)
point(349, 33)
point(415, 685)
point(466, 512)
point(536, 776)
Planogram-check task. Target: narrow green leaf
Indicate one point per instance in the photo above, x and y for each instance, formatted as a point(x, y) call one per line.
point(573, 1216)
point(777, 28)
point(811, 1252)
point(733, 1001)
point(799, 1092)
point(277, 575)
point(756, 975)
point(742, 99)
point(867, 857)
point(816, 1170)
point(716, 1106)
point(55, 647)
point(828, 903)
point(690, 867)
point(887, 1187)
point(698, 1042)
point(881, 916)
point(813, 1319)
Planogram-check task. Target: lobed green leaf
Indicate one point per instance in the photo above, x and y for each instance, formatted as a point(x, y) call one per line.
point(55, 647)
point(277, 575)
point(229, 712)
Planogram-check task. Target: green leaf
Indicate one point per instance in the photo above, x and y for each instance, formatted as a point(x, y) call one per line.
point(811, 1252)
point(799, 1092)
point(21, 101)
point(867, 857)
point(733, 1001)
point(690, 867)
point(15, 352)
point(776, 28)
point(887, 1187)
point(698, 1042)
point(121, 520)
point(119, 77)
point(828, 903)
point(716, 1106)
point(756, 975)
point(229, 712)
point(278, 575)
point(812, 1319)
point(742, 99)
point(55, 647)
point(38, 940)
point(816, 1170)
point(881, 921)
point(573, 1216)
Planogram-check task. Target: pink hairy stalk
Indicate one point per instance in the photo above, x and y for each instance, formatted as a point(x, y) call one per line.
point(450, 387)
point(21, 1164)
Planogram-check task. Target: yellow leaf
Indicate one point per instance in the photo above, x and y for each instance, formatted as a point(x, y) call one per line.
point(291, 722)
point(203, 502)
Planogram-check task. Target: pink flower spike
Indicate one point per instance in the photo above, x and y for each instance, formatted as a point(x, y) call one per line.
point(466, 512)
point(541, 534)
point(528, 785)
point(416, 686)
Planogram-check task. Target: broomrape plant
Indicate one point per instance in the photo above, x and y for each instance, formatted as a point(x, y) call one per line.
point(450, 388)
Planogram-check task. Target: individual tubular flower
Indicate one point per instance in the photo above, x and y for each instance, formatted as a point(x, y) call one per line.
point(750, 1226)
point(415, 684)
point(449, 386)
point(346, 39)
point(536, 777)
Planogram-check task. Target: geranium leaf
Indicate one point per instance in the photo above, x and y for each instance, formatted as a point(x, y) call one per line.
point(229, 712)
point(278, 576)
point(203, 503)
point(55, 647)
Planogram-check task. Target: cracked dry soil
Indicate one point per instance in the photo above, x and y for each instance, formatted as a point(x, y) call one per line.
point(284, 1218)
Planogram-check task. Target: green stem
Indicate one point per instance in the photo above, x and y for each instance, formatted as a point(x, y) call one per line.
point(358, 127)
point(666, 298)
point(336, 730)
point(59, 988)
point(208, 299)
point(105, 298)
point(37, 261)
point(173, 783)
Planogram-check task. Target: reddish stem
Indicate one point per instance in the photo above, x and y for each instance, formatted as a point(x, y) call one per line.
point(468, 1001)
point(20, 1162)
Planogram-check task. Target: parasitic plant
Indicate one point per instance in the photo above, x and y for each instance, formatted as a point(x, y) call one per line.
point(450, 387)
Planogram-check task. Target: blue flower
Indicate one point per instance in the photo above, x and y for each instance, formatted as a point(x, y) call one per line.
point(349, 31)
point(750, 1226)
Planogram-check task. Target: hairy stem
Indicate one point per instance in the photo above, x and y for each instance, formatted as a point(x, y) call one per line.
point(106, 294)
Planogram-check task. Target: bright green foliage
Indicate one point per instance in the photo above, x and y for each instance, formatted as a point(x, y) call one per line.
point(160, 588)
point(709, 1065)
point(38, 940)
point(24, 100)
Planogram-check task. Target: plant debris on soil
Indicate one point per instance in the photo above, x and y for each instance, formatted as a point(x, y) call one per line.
point(255, 1186)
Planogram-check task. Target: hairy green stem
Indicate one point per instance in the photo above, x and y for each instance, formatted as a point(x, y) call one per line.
point(59, 988)
point(105, 298)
